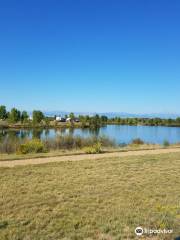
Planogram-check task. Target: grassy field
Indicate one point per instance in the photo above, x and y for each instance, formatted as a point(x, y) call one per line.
point(91, 199)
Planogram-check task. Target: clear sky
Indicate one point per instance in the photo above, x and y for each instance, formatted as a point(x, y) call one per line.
point(90, 55)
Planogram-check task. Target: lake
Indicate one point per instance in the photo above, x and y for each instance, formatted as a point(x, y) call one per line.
point(120, 133)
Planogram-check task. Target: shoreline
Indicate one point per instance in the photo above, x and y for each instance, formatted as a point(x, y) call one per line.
point(74, 152)
point(74, 125)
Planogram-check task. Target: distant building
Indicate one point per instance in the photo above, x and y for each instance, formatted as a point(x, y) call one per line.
point(76, 120)
point(60, 119)
point(68, 119)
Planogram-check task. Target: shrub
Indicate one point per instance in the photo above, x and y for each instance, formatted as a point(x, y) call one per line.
point(96, 148)
point(138, 141)
point(106, 141)
point(166, 143)
point(32, 146)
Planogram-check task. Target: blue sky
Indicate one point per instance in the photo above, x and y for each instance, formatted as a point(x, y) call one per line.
point(90, 55)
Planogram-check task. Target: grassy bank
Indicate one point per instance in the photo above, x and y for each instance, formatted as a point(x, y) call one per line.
point(12, 148)
point(71, 152)
point(43, 125)
point(12, 145)
point(103, 200)
point(59, 125)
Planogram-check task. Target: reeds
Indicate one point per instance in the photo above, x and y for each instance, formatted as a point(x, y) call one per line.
point(67, 142)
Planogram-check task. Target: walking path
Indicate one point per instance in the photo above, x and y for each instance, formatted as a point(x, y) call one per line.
point(13, 163)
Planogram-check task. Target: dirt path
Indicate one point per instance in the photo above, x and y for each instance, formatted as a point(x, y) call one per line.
point(13, 163)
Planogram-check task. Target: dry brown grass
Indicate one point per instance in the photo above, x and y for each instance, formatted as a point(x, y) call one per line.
point(91, 199)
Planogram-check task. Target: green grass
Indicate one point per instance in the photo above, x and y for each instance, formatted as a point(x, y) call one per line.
point(98, 199)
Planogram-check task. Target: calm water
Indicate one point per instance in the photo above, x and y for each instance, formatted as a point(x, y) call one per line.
point(121, 134)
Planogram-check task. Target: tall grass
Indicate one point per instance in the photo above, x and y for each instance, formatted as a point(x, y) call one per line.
point(137, 141)
point(77, 142)
point(9, 145)
point(16, 145)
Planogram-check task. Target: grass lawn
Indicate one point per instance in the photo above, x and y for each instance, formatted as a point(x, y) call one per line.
point(99, 199)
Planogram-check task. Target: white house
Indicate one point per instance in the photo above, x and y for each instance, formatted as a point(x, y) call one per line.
point(68, 119)
point(60, 119)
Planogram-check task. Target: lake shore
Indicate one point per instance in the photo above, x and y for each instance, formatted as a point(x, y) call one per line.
point(5, 125)
point(13, 140)
point(59, 125)
point(106, 151)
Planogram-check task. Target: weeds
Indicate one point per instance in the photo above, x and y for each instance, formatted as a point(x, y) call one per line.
point(138, 141)
point(32, 146)
point(96, 148)
point(67, 142)
point(166, 143)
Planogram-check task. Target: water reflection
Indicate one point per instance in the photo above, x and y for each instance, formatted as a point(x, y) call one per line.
point(121, 134)
point(71, 131)
point(36, 133)
point(3, 133)
point(95, 131)
point(46, 133)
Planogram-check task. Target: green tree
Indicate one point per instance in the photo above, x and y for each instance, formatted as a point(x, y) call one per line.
point(95, 121)
point(3, 112)
point(14, 115)
point(38, 116)
point(104, 118)
point(169, 121)
point(24, 116)
point(178, 120)
point(71, 115)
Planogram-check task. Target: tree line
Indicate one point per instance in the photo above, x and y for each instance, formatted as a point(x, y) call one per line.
point(103, 120)
point(15, 115)
point(145, 121)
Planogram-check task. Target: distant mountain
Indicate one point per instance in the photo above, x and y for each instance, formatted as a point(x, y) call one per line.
point(114, 114)
point(152, 115)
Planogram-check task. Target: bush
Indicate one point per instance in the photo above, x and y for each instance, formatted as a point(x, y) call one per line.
point(32, 146)
point(138, 141)
point(166, 143)
point(96, 148)
point(106, 141)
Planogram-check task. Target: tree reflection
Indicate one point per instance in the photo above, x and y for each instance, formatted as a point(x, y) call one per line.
point(71, 131)
point(36, 133)
point(94, 131)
